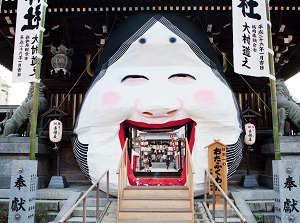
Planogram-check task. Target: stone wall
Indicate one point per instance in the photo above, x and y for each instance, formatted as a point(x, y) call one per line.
point(289, 150)
point(17, 148)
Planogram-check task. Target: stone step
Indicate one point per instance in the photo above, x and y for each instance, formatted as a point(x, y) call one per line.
point(219, 209)
point(264, 216)
point(90, 211)
point(162, 214)
point(79, 220)
point(229, 220)
point(91, 201)
point(220, 213)
point(152, 221)
point(261, 205)
point(50, 216)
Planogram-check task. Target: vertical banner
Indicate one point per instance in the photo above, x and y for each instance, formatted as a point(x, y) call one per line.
point(28, 27)
point(173, 143)
point(250, 38)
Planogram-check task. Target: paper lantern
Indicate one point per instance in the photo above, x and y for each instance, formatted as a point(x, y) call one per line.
point(250, 134)
point(55, 131)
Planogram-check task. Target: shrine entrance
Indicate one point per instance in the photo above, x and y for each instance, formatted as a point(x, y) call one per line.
point(157, 154)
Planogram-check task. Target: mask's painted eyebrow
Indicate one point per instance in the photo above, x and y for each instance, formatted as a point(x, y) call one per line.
point(182, 75)
point(133, 76)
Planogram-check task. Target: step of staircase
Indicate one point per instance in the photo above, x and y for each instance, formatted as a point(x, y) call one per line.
point(136, 221)
point(229, 220)
point(52, 207)
point(155, 202)
point(79, 220)
point(156, 213)
point(156, 191)
point(263, 210)
point(158, 203)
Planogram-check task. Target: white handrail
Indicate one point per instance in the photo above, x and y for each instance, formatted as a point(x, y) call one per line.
point(226, 199)
point(83, 200)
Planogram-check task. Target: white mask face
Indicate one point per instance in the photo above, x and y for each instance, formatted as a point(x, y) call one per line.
point(158, 82)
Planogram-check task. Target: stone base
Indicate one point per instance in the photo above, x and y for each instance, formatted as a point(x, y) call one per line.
point(265, 181)
point(289, 150)
point(58, 182)
point(248, 181)
point(17, 148)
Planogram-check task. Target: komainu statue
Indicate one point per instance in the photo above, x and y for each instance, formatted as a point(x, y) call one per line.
point(13, 123)
point(287, 108)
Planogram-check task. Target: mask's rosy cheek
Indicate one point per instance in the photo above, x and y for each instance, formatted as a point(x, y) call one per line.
point(205, 97)
point(110, 99)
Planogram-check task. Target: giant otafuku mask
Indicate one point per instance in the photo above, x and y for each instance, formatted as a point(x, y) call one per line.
point(157, 70)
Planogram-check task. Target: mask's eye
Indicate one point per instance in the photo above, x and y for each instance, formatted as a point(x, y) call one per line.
point(134, 79)
point(181, 78)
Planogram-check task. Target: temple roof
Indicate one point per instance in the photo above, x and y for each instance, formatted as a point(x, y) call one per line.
point(78, 24)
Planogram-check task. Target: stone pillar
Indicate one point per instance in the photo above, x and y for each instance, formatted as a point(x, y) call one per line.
point(22, 191)
point(287, 193)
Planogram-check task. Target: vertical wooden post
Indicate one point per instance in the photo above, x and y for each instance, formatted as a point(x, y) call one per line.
point(273, 90)
point(34, 112)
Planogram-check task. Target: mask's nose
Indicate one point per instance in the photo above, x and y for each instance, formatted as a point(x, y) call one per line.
point(168, 113)
point(155, 109)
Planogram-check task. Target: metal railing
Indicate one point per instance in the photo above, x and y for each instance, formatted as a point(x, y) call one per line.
point(83, 199)
point(226, 199)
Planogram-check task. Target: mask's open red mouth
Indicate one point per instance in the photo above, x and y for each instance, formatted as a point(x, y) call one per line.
point(156, 128)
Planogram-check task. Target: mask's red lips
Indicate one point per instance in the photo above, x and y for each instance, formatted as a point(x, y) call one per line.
point(166, 127)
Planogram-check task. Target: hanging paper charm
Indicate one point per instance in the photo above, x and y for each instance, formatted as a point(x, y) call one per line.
point(250, 134)
point(55, 131)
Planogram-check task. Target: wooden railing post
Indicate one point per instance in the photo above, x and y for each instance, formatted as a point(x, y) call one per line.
point(84, 211)
point(189, 175)
point(226, 199)
point(83, 201)
point(122, 175)
point(107, 187)
point(97, 200)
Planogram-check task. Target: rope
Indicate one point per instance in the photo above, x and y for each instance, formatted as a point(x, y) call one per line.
point(87, 66)
point(245, 81)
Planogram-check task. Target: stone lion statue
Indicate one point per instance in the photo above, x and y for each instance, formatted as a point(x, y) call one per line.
point(13, 122)
point(287, 108)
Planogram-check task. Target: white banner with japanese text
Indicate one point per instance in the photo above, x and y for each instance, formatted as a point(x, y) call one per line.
point(29, 17)
point(250, 38)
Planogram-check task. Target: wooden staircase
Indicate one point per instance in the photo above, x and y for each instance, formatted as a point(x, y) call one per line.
point(156, 204)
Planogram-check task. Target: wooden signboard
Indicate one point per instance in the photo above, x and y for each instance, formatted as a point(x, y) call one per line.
point(217, 166)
